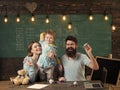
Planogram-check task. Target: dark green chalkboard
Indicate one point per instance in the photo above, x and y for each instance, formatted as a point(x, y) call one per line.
point(14, 37)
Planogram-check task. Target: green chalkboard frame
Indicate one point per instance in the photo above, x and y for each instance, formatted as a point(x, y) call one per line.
point(14, 37)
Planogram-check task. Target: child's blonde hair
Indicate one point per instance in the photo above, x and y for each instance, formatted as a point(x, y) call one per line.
point(51, 32)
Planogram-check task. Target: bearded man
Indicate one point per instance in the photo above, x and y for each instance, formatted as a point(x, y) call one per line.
point(74, 62)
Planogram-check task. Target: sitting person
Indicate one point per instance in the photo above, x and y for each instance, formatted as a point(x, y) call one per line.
point(30, 61)
point(74, 62)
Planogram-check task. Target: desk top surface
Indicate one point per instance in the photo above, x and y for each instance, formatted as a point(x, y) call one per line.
point(56, 86)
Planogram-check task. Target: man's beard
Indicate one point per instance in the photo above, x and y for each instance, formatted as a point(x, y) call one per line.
point(71, 52)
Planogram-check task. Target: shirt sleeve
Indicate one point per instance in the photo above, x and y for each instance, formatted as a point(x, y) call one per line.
point(25, 59)
point(86, 60)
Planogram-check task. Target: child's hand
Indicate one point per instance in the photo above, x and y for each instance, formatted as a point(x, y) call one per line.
point(42, 36)
point(51, 55)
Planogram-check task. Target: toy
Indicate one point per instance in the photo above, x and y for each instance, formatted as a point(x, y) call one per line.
point(21, 78)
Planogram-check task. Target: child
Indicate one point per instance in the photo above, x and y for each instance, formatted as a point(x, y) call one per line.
point(30, 61)
point(48, 59)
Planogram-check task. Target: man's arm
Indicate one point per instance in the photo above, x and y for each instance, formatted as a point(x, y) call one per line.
point(93, 64)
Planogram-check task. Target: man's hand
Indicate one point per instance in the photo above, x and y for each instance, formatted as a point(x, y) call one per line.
point(61, 79)
point(87, 48)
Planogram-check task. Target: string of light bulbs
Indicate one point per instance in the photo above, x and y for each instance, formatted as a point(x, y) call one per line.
point(64, 18)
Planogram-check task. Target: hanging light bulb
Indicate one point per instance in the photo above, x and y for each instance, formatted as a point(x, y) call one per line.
point(90, 15)
point(47, 20)
point(64, 17)
point(113, 28)
point(5, 19)
point(32, 18)
point(18, 18)
point(69, 25)
point(105, 17)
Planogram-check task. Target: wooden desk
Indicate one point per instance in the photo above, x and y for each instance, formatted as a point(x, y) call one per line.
point(7, 85)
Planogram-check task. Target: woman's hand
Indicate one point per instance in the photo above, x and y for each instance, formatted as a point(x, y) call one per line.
point(29, 63)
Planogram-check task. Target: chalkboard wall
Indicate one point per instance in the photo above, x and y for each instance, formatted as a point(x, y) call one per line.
point(14, 37)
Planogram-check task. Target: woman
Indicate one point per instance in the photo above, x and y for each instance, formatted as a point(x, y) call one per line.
point(30, 61)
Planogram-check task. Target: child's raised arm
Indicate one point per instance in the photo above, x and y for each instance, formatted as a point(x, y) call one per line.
point(42, 36)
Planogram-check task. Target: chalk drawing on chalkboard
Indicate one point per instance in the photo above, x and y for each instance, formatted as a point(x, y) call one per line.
point(19, 39)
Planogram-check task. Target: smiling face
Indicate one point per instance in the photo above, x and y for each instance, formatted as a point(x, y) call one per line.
point(71, 48)
point(36, 49)
point(49, 38)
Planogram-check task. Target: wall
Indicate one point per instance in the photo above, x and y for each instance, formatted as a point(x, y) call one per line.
point(15, 37)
